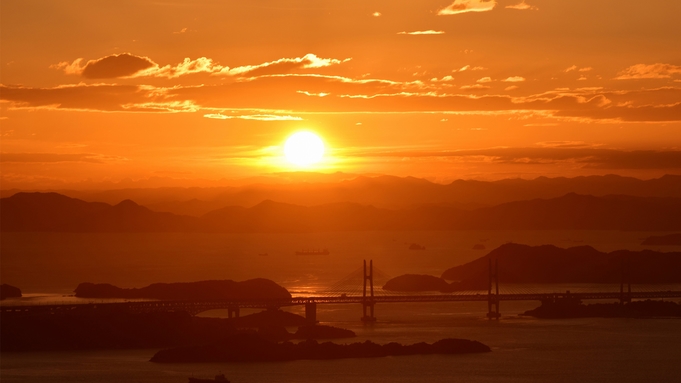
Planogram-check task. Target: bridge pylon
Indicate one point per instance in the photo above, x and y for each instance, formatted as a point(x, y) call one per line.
point(368, 302)
point(493, 298)
point(625, 297)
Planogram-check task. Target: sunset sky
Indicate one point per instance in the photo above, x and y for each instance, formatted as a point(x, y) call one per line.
point(200, 93)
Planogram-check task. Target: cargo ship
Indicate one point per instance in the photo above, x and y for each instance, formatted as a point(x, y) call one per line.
point(313, 252)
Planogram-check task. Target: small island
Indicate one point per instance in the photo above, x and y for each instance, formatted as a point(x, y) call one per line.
point(251, 348)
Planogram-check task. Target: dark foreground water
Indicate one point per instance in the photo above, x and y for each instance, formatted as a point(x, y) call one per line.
point(47, 265)
point(524, 350)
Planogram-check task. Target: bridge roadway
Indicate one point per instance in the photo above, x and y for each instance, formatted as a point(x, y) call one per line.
point(195, 307)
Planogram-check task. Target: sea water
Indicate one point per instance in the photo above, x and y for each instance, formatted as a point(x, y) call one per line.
point(48, 266)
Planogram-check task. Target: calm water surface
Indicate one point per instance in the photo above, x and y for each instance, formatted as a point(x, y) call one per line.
point(524, 349)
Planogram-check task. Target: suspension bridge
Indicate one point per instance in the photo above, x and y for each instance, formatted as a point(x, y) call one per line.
point(363, 287)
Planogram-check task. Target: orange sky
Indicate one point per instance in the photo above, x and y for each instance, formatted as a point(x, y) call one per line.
point(198, 93)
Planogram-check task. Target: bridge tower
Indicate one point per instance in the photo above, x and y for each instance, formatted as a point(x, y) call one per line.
point(626, 279)
point(493, 298)
point(368, 303)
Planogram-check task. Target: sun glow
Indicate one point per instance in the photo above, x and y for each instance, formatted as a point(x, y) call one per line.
point(304, 148)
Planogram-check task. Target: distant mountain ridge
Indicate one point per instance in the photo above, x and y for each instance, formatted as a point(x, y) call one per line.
point(380, 191)
point(54, 212)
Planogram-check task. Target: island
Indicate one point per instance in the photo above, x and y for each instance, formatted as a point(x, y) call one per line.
point(251, 348)
point(8, 291)
point(87, 327)
point(258, 288)
point(574, 308)
point(581, 264)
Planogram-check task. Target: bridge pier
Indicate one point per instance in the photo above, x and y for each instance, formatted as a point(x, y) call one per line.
point(368, 303)
point(233, 312)
point(625, 297)
point(493, 299)
point(311, 313)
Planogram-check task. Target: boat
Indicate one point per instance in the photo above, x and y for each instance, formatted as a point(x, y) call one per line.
point(218, 378)
point(313, 252)
point(416, 246)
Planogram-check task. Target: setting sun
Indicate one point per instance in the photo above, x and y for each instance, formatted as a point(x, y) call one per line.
point(304, 148)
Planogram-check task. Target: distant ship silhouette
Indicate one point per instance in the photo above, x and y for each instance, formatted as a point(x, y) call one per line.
point(218, 378)
point(313, 252)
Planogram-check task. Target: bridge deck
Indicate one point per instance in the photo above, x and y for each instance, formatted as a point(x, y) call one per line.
point(199, 306)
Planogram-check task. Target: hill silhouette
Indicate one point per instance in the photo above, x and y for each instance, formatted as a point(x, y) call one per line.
point(664, 240)
point(581, 264)
point(54, 212)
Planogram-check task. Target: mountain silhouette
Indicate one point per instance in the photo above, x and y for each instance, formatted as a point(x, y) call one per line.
point(387, 192)
point(54, 212)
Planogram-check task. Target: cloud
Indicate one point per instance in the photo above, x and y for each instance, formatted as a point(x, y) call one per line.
point(114, 66)
point(576, 153)
point(284, 65)
point(428, 32)
point(186, 67)
point(443, 79)
point(56, 157)
point(464, 6)
point(485, 79)
point(468, 67)
point(570, 69)
point(560, 144)
point(514, 79)
point(512, 87)
point(640, 71)
point(523, 6)
point(127, 65)
point(376, 14)
point(321, 94)
point(183, 30)
point(284, 95)
point(100, 97)
point(587, 69)
point(257, 117)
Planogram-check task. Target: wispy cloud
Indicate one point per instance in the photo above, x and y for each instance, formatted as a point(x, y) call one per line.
point(468, 67)
point(376, 14)
point(257, 117)
point(127, 65)
point(57, 157)
point(476, 86)
point(428, 32)
point(641, 71)
point(523, 6)
point(485, 79)
point(283, 65)
point(577, 153)
point(514, 79)
point(464, 6)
